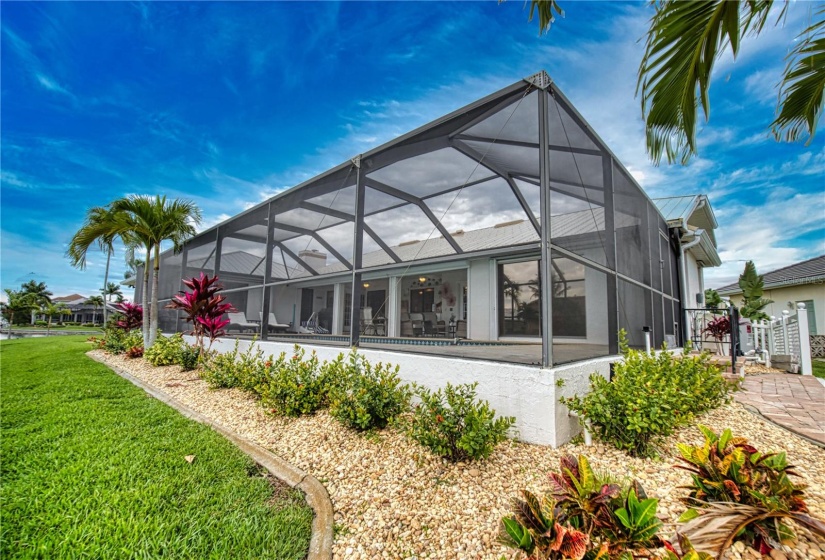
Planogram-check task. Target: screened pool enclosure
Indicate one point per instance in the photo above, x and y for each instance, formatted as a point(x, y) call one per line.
point(505, 228)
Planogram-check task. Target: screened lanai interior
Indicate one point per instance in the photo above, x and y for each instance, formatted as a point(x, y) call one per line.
point(509, 219)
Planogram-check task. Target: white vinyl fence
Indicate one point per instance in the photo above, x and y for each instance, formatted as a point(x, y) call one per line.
point(785, 341)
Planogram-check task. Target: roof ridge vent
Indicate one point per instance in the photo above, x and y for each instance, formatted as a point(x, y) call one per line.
point(506, 224)
point(405, 243)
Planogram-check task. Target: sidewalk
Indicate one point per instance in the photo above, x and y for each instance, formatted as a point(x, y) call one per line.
point(795, 402)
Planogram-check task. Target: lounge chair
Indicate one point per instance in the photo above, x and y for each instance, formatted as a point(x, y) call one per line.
point(274, 325)
point(239, 322)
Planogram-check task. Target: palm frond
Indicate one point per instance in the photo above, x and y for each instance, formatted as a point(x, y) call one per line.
point(684, 42)
point(801, 98)
point(545, 10)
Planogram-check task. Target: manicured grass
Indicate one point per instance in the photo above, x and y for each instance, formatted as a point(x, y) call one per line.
point(94, 468)
point(65, 328)
point(818, 368)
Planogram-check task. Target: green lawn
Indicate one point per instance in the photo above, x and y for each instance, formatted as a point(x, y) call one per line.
point(819, 368)
point(16, 328)
point(94, 468)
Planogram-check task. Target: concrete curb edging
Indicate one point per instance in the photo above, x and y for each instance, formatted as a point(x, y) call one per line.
point(320, 545)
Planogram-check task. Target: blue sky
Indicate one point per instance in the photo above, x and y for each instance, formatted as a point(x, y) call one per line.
point(229, 103)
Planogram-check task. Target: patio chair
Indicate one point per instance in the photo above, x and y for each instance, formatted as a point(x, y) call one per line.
point(367, 322)
point(314, 325)
point(432, 326)
point(417, 320)
point(274, 325)
point(239, 322)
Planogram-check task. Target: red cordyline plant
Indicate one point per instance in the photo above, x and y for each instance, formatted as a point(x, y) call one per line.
point(131, 316)
point(204, 308)
point(718, 328)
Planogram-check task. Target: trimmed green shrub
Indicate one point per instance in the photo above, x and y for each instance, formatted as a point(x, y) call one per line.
point(649, 397)
point(189, 357)
point(293, 386)
point(41, 323)
point(114, 341)
point(220, 370)
point(365, 396)
point(165, 351)
point(453, 424)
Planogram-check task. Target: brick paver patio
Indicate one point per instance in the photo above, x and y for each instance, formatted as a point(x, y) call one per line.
point(795, 402)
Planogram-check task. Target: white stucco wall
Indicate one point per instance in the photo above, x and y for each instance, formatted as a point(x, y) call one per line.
point(530, 394)
point(694, 281)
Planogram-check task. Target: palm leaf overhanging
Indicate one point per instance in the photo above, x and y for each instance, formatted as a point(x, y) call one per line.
point(801, 97)
point(684, 42)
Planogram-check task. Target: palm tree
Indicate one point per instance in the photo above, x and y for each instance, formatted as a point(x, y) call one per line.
point(19, 302)
point(95, 302)
point(52, 310)
point(39, 292)
point(110, 290)
point(684, 41)
point(100, 228)
point(152, 221)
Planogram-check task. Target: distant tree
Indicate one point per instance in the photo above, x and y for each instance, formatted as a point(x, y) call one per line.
point(19, 304)
point(110, 290)
point(96, 302)
point(40, 294)
point(752, 286)
point(55, 310)
point(713, 301)
point(685, 40)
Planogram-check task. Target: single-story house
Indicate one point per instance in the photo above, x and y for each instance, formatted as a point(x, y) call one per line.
point(505, 238)
point(802, 282)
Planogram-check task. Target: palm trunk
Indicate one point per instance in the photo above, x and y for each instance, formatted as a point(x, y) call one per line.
point(153, 320)
point(145, 303)
point(106, 282)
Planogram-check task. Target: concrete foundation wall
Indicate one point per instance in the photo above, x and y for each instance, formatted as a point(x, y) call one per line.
point(530, 394)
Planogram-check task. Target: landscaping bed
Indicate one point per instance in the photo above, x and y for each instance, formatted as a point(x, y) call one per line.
point(394, 499)
point(92, 468)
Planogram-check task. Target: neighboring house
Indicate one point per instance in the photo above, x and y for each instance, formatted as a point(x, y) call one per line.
point(80, 311)
point(803, 282)
point(450, 221)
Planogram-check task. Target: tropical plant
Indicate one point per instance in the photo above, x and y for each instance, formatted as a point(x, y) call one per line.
point(101, 228)
point(204, 308)
point(39, 293)
point(134, 352)
point(535, 530)
point(752, 286)
point(53, 310)
point(648, 397)
point(714, 302)
point(364, 395)
point(453, 424)
point(618, 522)
point(190, 357)
point(719, 329)
point(110, 290)
point(19, 303)
point(96, 302)
point(685, 40)
point(131, 316)
point(686, 550)
point(739, 493)
point(150, 221)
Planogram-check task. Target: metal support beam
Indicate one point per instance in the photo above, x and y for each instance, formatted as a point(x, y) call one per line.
point(392, 191)
point(316, 237)
point(475, 156)
point(611, 256)
point(357, 255)
point(295, 257)
point(218, 249)
point(546, 269)
point(521, 144)
point(351, 218)
point(267, 275)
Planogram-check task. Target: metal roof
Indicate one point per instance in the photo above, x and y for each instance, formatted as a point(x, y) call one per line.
point(805, 272)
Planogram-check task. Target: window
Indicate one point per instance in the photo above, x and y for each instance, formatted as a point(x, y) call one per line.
point(519, 297)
